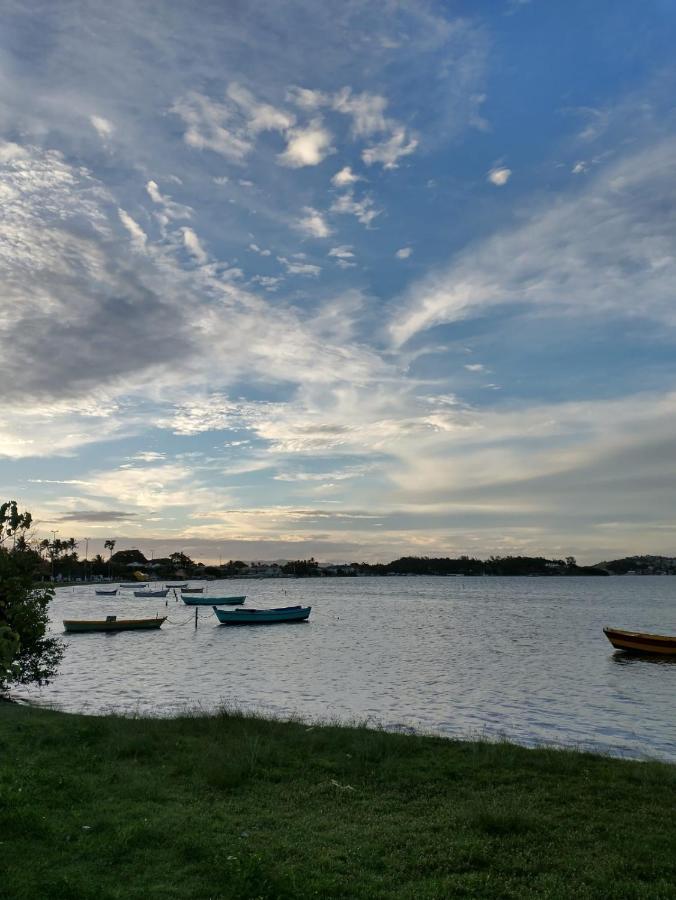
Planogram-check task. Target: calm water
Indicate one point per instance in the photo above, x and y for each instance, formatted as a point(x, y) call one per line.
point(523, 658)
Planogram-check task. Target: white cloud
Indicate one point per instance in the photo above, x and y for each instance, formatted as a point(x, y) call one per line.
point(298, 268)
point(307, 99)
point(193, 245)
point(499, 176)
point(345, 177)
point(170, 209)
point(579, 167)
point(343, 252)
point(313, 223)
point(306, 146)
point(257, 249)
point(363, 209)
point(594, 253)
point(260, 116)
point(404, 252)
point(475, 367)
point(367, 111)
point(389, 152)
point(138, 236)
point(206, 122)
point(102, 126)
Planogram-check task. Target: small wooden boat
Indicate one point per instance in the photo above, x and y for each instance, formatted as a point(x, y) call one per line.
point(135, 584)
point(176, 586)
point(189, 590)
point(106, 593)
point(213, 601)
point(112, 623)
point(640, 642)
point(262, 616)
point(152, 593)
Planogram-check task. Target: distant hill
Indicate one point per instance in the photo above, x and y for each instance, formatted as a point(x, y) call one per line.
point(640, 565)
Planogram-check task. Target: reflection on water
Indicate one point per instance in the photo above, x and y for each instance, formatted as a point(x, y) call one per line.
point(521, 658)
point(623, 658)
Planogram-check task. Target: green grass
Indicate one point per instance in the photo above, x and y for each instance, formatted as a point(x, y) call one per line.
point(236, 807)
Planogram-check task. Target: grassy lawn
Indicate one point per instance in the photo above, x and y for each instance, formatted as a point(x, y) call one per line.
point(236, 807)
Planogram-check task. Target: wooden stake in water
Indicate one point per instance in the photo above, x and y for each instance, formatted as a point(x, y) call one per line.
point(195, 618)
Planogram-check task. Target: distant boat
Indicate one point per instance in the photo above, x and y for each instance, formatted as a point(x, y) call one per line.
point(213, 601)
point(189, 590)
point(112, 623)
point(135, 584)
point(106, 593)
point(262, 616)
point(152, 593)
point(177, 585)
point(640, 642)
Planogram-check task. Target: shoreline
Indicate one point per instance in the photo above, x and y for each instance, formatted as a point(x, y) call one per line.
point(237, 806)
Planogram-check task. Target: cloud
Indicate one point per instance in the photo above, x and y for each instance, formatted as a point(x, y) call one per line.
point(499, 176)
point(307, 99)
point(345, 177)
point(193, 245)
point(257, 249)
point(306, 146)
point(342, 252)
point(170, 209)
point(364, 210)
point(298, 268)
point(206, 122)
point(366, 110)
point(475, 367)
point(389, 152)
point(313, 224)
point(96, 516)
point(102, 126)
point(404, 253)
point(593, 253)
point(260, 116)
point(138, 236)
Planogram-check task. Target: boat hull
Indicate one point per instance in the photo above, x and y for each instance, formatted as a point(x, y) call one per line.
point(151, 593)
point(111, 624)
point(262, 616)
point(106, 593)
point(640, 642)
point(192, 590)
point(213, 601)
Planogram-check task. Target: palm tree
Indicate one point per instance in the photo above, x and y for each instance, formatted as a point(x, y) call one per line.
point(110, 545)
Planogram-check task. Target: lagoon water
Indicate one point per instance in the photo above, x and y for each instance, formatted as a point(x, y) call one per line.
point(519, 658)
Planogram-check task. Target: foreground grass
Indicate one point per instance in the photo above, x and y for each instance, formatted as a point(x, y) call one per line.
point(236, 807)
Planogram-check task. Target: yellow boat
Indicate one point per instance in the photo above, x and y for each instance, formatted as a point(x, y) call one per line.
point(640, 642)
point(112, 623)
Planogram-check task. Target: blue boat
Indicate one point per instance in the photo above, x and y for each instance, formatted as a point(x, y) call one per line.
point(213, 601)
point(262, 616)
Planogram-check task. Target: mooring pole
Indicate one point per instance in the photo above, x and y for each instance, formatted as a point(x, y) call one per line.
point(195, 618)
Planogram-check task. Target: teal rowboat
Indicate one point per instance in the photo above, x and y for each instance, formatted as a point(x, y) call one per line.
point(262, 616)
point(213, 601)
point(112, 623)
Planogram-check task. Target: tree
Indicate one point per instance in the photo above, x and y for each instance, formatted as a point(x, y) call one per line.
point(110, 545)
point(26, 654)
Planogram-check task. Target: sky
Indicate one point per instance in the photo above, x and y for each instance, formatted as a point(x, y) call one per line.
point(351, 281)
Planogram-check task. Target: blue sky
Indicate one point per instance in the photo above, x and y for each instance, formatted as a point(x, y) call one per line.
point(284, 280)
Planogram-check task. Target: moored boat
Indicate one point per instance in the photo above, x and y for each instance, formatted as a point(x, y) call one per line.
point(106, 593)
point(152, 593)
point(135, 584)
point(112, 623)
point(192, 590)
point(213, 601)
point(262, 616)
point(641, 642)
point(176, 586)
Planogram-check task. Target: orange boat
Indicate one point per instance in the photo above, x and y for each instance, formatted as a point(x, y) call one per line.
point(639, 642)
